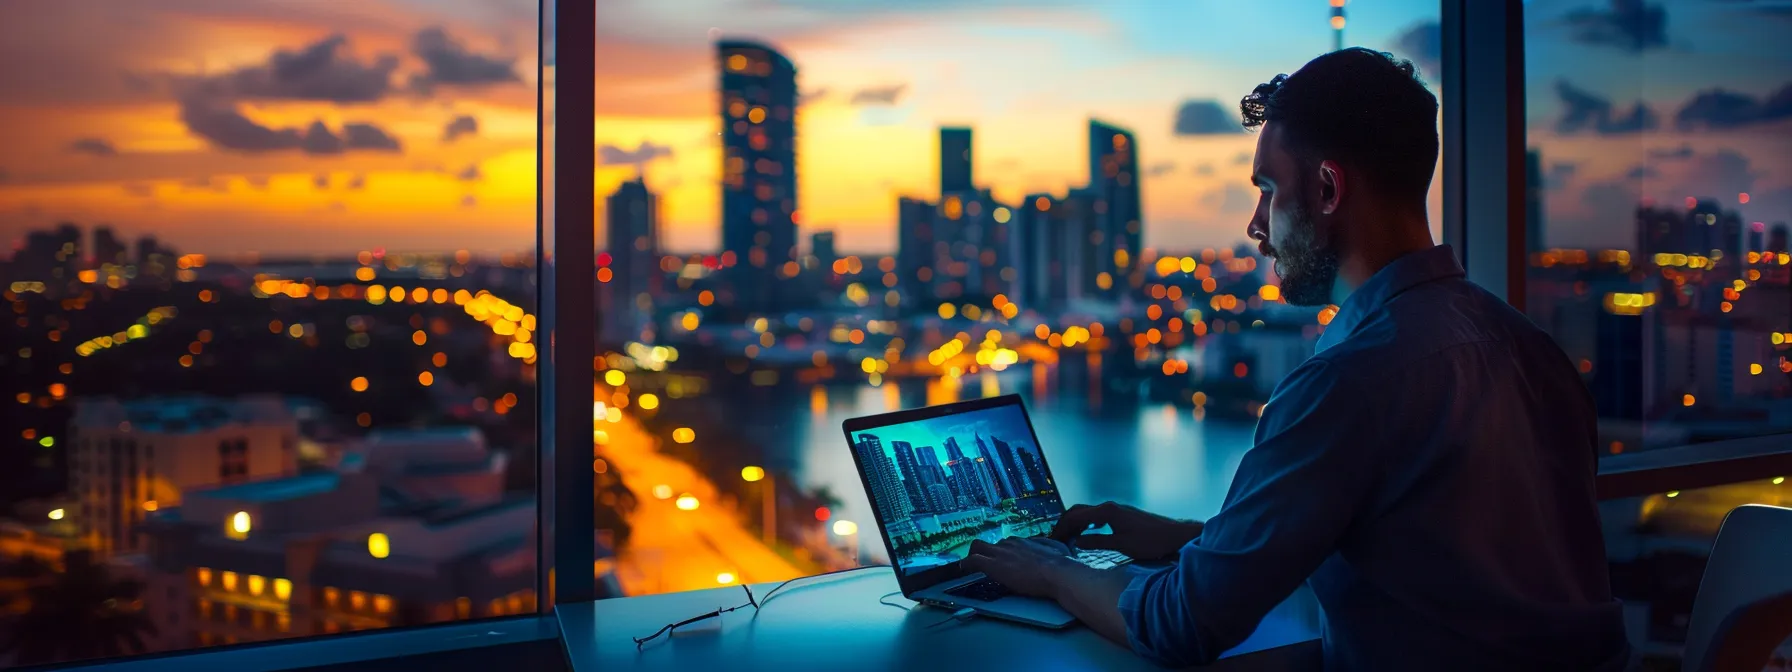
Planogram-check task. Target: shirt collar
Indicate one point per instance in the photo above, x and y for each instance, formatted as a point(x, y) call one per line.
point(1415, 268)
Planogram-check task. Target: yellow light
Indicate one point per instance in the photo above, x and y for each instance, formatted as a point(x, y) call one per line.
point(614, 378)
point(239, 525)
point(1687, 400)
point(1337, 23)
point(724, 578)
point(1673, 493)
point(57, 514)
point(256, 584)
point(150, 505)
point(229, 581)
point(378, 545)
point(686, 503)
point(947, 310)
point(420, 338)
point(845, 528)
point(868, 365)
point(1270, 293)
point(359, 384)
point(1754, 369)
point(752, 474)
point(364, 274)
point(1104, 281)
point(1002, 215)
point(426, 379)
point(282, 589)
point(662, 491)
point(1779, 479)
point(47, 442)
point(648, 402)
point(690, 321)
point(684, 435)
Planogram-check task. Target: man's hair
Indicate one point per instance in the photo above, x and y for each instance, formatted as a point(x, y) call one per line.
point(1361, 108)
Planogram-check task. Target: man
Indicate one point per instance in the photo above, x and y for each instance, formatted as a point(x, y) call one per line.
point(1428, 472)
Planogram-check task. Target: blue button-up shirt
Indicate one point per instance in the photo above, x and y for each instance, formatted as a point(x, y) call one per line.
point(1429, 473)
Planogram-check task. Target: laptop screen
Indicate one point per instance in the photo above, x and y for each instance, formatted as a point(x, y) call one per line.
point(937, 483)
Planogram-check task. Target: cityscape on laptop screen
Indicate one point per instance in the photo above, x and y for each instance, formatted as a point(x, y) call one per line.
point(938, 484)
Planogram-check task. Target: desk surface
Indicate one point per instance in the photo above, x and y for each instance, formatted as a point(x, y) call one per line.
point(836, 622)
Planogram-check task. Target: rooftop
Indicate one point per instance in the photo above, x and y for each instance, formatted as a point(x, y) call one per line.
point(276, 490)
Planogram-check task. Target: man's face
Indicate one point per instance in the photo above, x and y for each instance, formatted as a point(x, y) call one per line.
point(1283, 224)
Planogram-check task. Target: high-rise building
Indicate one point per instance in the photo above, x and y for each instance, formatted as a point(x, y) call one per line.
point(1114, 179)
point(953, 452)
point(915, 249)
point(108, 249)
point(992, 461)
point(759, 185)
point(911, 474)
point(821, 246)
point(1776, 240)
point(885, 486)
point(1035, 469)
point(154, 260)
point(1012, 467)
point(131, 458)
point(955, 160)
point(1533, 201)
point(632, 242)
point(940, 497)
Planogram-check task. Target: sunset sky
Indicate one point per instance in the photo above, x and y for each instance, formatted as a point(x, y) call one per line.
point(324, 127)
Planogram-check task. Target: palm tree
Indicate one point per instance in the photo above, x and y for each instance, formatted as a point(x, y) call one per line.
point(83, 612)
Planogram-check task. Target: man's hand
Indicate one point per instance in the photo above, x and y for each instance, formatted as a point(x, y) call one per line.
point(1027, 566)
point(1139, 534)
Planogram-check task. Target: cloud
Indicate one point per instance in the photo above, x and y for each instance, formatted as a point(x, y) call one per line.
point(257, 181)
point(1159, 169)
point(879, 95)
point(1204, 170)
point(468, 201)
point(1642, 171)
point(1586, 111)
point(447, 61)
point(227, 128)
point(469, 174)
point(812, 95)
point(1207, 117)
point(140, 190)
point(462, 125)
point(369, 137)
point(321, 181)
point(1684, 151)
point(93, 146)
point(612, 155)
point(1424, 45)
point(357, 183)
point(206, 183)
point(1231, 200)
point(1243, 158)
point(317, 72)
point(1718, 109)
point(1630, 25)
point(1558, 174)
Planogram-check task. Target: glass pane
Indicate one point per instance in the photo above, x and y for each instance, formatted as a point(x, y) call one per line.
point(1660, 182)
point(269, 365)
point(814, 211)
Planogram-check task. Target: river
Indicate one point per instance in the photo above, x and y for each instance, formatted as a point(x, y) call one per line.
point(1156, 456)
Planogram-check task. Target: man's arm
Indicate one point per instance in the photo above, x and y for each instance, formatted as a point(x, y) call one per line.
point(1093, 597)
point(1315, 462)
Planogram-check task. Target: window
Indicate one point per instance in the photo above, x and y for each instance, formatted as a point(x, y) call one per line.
point(1659, 187)
point(294, 251)
point(831, 213)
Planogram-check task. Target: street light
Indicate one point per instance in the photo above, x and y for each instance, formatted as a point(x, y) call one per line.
point(686, 503)
point(752, 474)
point(57, 514)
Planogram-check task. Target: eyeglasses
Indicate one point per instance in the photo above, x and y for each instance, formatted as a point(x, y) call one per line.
point(751, 602)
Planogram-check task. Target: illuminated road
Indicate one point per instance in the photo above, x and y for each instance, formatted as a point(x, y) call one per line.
point(671, 549)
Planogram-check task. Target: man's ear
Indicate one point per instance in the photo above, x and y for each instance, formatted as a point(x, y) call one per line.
point(1332, 187)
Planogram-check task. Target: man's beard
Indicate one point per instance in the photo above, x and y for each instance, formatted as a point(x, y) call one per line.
point(1307, 272)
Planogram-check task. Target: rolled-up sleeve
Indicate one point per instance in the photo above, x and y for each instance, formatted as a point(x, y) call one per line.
point(1296, 492)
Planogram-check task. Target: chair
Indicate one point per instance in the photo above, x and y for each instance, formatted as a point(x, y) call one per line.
point(1744, 607)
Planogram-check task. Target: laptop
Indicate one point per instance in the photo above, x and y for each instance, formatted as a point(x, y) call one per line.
point(942, 476)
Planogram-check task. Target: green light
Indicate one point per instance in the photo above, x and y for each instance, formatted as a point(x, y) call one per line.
point(47, 441)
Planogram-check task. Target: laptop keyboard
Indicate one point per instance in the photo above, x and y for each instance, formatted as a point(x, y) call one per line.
point(985, 589)
point(1101, 559)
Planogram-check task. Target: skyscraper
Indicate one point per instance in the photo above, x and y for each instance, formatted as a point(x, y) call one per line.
point(1533, 201)
point(940, 497)
point(915, 249)
point(1113, 177)
point(992, 463)
point(1012, 469)
point(108, 249)
point(759, 197)
point(631, 217)
point(955, 160)
point(911, 475)
point(880, 473)
point(953, 452)
point(1034, 469)
point(821, 246)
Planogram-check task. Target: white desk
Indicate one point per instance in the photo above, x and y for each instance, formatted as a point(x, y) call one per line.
point(835, 623)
